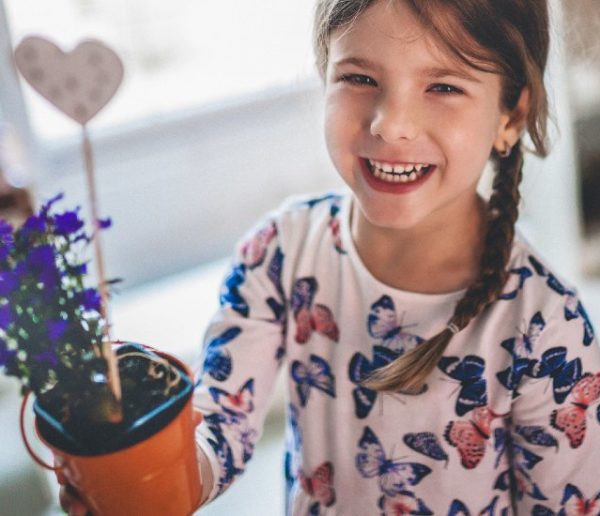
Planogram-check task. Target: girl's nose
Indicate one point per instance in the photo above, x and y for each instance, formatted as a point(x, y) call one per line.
point(395, 119)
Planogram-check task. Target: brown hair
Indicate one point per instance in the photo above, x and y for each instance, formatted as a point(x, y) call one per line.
point(508, 37)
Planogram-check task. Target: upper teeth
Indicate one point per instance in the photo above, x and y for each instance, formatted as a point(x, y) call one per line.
point(398, 168)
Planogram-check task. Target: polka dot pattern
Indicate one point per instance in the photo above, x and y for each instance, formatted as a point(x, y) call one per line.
point(79, 83)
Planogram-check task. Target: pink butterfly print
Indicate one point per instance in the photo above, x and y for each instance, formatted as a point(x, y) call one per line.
point(575, 504)
point(572, 419)
point(311, 317)
point(471, 437)
point(240, 401)
point(403, 503)
point(254, 250)
point(320, 485)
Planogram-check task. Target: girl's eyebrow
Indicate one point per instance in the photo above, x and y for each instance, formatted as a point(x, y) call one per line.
point(438, 73)
point(431, 72)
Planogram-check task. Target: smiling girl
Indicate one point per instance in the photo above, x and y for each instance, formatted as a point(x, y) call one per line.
point(435, 363)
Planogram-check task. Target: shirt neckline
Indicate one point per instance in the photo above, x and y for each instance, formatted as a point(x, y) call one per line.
point(350, 248)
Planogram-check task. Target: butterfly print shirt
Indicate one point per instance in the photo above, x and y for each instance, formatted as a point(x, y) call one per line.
point(509, 421)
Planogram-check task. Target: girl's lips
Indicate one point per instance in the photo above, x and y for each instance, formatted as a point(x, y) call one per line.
point(394, 188)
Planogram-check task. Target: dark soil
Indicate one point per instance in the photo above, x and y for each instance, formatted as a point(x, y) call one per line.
point(146, 408)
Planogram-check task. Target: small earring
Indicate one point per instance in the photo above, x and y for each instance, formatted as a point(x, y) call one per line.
point(506, 152)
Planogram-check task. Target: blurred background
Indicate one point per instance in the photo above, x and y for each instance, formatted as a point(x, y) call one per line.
point(219, 118)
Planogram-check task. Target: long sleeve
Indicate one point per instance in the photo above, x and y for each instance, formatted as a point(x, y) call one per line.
point(243, 348)
point(554, 440)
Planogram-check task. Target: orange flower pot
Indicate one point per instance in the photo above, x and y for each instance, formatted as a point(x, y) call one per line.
point(157, 476)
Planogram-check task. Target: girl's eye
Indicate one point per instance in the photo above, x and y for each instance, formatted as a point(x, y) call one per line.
point(358, 79)
point(446, 89)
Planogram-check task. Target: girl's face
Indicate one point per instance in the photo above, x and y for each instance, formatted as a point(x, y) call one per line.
point(393, 97)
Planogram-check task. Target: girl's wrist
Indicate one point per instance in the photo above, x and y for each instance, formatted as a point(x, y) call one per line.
point(206, 474)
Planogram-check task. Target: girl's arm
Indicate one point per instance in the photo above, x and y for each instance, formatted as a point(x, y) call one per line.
point(243, 349)
point(554, 439)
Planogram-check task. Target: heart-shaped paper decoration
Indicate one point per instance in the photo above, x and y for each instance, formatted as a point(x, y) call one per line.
point(79, 83)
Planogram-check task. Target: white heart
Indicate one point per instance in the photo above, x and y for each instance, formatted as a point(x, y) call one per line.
point(79, 83)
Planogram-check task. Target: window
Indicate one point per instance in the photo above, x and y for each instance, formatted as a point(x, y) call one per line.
point(177, 54)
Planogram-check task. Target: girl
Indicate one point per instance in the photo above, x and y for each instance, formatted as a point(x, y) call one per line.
point(435, 363)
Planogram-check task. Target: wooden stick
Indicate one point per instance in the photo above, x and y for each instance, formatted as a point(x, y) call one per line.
point(114, 382)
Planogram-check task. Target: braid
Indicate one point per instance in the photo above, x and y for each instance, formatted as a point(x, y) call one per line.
point(408, 372)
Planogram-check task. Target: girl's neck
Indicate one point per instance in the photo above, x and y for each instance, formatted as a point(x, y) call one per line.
point(434, 257)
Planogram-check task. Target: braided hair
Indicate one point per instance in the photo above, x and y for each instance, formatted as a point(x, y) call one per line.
point(409, 372)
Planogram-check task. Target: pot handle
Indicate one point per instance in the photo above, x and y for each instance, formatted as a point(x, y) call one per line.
point(24, 436)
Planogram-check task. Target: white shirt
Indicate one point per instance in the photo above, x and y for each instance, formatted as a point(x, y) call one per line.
point(509, 421)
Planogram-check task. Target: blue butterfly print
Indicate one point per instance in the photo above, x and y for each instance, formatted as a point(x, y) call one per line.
point(383, 325)
point(522, 460)
point(246, 436)
point(335, 226)
point(225, 457)
point(317, 200)
point(359, 369)
point(536, 435)
point(426, 443)
point(524, 273)
point(230, 295)
point(277, 305)
point(404, 502)
point(573, 502)
point(316, 374)
point(240, 401)
point(393, 475)
point(274, 271)
point(579, 311)
point(521, 348)
point(296, 432)
point(573, 307)
point(565, 374)
point(469, 372)
point(457, 508)
point(217, 362)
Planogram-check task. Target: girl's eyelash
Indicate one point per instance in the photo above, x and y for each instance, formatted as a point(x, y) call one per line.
point(362, 80)
point(453, 89)
point(354, 78)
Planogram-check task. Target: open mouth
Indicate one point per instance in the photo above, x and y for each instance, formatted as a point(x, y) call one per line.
point(398, 174)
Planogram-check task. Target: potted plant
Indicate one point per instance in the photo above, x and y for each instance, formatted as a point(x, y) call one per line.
point(117, 416)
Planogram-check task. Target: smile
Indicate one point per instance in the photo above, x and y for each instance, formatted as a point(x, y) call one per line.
point(398, 173)
point(395, 178)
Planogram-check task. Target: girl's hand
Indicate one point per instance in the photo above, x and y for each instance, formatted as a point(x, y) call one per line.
point(69, 498)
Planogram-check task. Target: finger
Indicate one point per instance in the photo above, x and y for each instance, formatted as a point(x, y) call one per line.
point(71, 501)
point(60, 476)
point(196, 417)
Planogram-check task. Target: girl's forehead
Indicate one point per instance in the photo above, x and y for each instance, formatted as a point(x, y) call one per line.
point(390, 31)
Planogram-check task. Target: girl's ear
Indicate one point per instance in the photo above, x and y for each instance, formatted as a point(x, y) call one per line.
point(513, 123)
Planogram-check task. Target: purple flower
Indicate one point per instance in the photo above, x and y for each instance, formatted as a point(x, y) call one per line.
point(6, 239)
point(90, 299)
point(48, 204)
point(42, 258)
point(5, 354)
point(105, 223)
point(56, 329)
point(47, 356)
point(6, 316)
point(9, 282)
point(67, 223)
point(34, 224)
